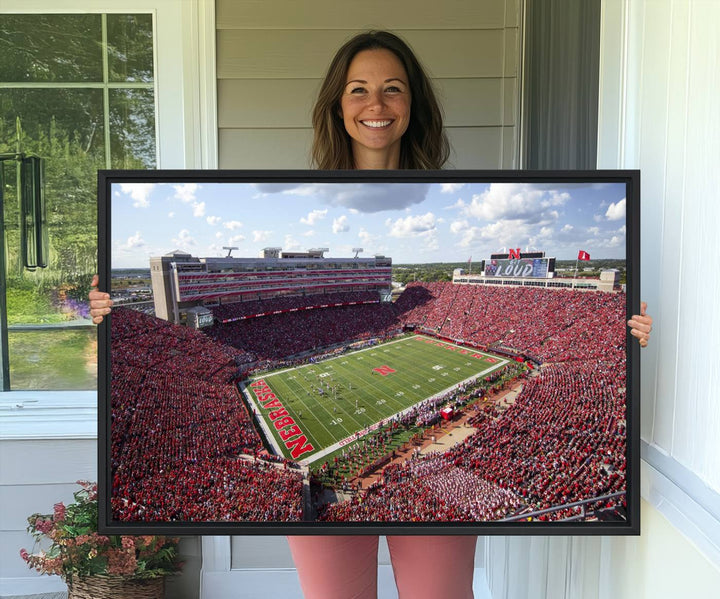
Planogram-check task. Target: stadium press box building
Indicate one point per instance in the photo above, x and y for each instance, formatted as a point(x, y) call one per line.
point(184, 284)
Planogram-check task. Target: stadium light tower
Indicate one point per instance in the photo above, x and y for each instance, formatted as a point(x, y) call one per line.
point(357, 251)
point(229, 248)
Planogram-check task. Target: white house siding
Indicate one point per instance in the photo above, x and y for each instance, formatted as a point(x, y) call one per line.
point(660, 81)
point(271, 58)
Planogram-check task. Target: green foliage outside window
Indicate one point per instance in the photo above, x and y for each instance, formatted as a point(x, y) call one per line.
point(81, 87)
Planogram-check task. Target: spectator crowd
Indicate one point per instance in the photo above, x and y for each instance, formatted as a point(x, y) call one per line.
point(179, 424)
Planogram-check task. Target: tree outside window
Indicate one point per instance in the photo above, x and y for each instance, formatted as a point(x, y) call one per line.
point(77, 90)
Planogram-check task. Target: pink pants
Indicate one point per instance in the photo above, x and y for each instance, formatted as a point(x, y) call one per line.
point(345, 567)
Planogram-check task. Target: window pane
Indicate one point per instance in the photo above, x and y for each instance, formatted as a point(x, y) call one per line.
point(132, 128)
point(56, 359)
point(50, 48)
point(65, 127)
point(51, 342)
point(130, 48)
point(49, 117)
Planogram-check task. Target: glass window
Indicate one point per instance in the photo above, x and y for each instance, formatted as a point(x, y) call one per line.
point(78, 91)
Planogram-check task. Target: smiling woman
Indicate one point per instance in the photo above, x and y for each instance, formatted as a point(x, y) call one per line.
point(364, 105)
point(375, 108)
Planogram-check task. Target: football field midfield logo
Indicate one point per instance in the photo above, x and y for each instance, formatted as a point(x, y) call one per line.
point(384, 370)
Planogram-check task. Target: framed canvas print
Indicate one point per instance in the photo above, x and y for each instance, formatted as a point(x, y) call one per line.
point(393, 352)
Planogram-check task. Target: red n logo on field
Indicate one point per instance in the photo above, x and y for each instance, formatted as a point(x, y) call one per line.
point(514, 254)
point(384, 370)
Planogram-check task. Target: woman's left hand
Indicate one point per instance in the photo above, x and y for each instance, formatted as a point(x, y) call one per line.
point(641, 325)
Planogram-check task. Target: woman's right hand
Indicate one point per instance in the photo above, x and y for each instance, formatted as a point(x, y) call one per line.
point(100, 302)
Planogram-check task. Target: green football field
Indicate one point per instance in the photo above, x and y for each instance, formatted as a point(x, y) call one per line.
point(310, 411)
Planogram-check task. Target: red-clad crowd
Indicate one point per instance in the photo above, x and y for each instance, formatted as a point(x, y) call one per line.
point(551, 324)
point(249, 309)
point(179, 423)
point(279, 336)
point(428, 489)
point(178, 427)
point(563, 440)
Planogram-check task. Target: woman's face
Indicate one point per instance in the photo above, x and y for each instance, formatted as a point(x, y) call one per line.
point(375, 106)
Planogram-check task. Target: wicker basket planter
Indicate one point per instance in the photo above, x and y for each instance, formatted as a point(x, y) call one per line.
point(116, 587)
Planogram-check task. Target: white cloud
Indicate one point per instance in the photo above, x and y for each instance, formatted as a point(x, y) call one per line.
point(184, 239)
point(567, 228)
point(508, 233)
point(135, 241)
point(313, 217)
point(421, 228)
point(594, 231)
point(459, 226)
point(199, 209)
point(213, 220)
point(232, 224)
point(616, 211)
point(140, 192)
point(458, 205)
point(368, 238)
point(451, 187)
point(363, 197)
point(518, 202)
point(310, 233)
point(236, 239)
point(340, 225)
point(171, 215)
point(261, 236)
point(186, 192)
point(412, 226)
point(468, 236)
point(291, 244)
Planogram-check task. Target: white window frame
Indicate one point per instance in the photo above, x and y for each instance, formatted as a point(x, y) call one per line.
point(186, 137)
point(677, 492)
point(186, 132)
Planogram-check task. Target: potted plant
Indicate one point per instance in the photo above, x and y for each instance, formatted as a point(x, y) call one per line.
point(95, 566)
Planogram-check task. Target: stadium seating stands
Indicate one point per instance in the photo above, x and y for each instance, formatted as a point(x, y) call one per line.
point(178, 424)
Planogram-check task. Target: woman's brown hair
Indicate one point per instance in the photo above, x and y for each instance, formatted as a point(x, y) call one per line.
point(424, 144)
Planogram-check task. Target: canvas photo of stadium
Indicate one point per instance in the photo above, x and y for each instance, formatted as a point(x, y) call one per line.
point(309, 351)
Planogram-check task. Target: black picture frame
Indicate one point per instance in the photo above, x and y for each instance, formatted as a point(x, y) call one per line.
point(621, 520)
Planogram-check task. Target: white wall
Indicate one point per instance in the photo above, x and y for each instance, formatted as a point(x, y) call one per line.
point(271, 58)
point(659, 90)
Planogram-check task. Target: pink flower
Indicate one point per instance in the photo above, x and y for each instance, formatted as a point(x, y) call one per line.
point(24, 555)
point(121, 562)
point(44, 526)
point(128, 543)
point(59, 509)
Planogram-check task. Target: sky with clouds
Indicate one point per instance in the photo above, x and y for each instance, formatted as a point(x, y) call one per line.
point(410, 222)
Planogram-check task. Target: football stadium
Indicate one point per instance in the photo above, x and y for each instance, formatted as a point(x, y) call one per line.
point(295, 387)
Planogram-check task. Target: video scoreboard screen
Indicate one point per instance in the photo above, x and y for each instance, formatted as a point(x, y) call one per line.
point(520, 268)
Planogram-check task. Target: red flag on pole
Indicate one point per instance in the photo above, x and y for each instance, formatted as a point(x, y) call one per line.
point(583, 255)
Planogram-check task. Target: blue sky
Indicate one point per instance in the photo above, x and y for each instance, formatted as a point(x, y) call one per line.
point(410, 222)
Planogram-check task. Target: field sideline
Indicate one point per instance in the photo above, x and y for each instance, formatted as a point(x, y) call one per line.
point(309, 411)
